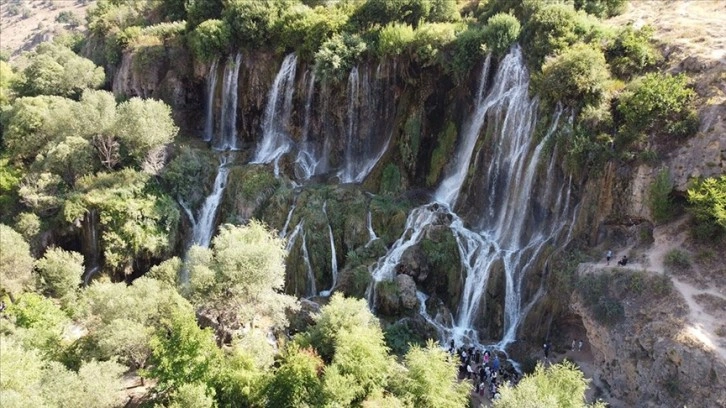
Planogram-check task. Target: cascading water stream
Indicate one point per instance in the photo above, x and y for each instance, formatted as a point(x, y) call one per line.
point(227, 139)
point(209, 114)
point(333, 258)
point(308, 160)
point(369, 224)
point(203, 225)
point(311, 291)
point(91, 245)
point(509, 182)
point(275, 140)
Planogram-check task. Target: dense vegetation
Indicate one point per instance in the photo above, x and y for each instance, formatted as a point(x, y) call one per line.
point(72, 150)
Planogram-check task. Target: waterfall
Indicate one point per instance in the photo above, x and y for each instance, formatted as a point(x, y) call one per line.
point(91, 245)
point(308, 161)
point(333, 258)
point(369, 224)
point(368, 104)
point(498, 235)
point(228, 133)
point(311, 291)
point(275, 140)
point(203, 225)
point(209, 114)
point(283, 233)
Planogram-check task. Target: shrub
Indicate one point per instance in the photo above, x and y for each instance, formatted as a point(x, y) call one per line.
point(305, 29)
point(609, 311)
point(338, 55)
point(551, 28)
point(431, 39)
point(631, 52)
point(661, 203)
point(501, 31)
point(210, 39)
point(677, 261)
point(251, 22)
point(577, 78)
point(69, 18)
point(199, 11)
point(602, 8)
point(468, 52)
point(383, 12)
point(391, 180)
point(659, 104)
point(707, 199)
point(395, 39)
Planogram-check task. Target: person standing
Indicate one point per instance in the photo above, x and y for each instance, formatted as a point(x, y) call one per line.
point(546, 348)
point(608, 256)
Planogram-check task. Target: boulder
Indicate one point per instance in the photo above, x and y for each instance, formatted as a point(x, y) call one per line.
point(407, 292)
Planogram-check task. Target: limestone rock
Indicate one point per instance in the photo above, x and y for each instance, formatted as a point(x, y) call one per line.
point(407, 292)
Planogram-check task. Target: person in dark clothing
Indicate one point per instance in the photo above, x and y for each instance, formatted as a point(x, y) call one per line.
point(623, 261)
point(546, 348)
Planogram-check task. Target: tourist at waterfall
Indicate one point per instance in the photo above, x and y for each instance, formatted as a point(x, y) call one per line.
point(546, 348)
point(579, 345)
point(623, 261)
point(608, 256)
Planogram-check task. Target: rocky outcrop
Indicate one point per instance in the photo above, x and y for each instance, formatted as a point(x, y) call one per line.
point(650, 358)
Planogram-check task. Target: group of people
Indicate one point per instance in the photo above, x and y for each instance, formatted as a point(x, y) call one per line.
point(484, 369)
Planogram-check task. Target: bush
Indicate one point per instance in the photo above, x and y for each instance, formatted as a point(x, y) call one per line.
point(551, 29)
point(659, 104)
point(210, 39)
point(251, 22)
point(501, 31)
point(631, 52)
point(199, 11)
point(707, 199)
point(677, 261)
point(577, 78)
point(305, 29)
point(468, 52)
point(395, 39)
point(602, 8)
point(431, 39)
point(383, 12)
point(661, 203)
point(338, 55)
point(68, 18)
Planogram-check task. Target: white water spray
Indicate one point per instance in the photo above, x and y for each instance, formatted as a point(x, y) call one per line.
point(209, 114)
point(227, 139)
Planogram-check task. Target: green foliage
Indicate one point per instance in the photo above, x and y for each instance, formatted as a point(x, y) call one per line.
point(16, 263)
point(7, 77)
point(631, 53)
point(28, 380)
point(707, 200)
point(395, 39)
point(29, 225)
point(577, 77)
point(602, 8)
point(430, 41)
point(585, 149)
point(338, 55)
point(56, 70)
point(677, 261)
point(383, 12)
point(560, 385)
point(60, 272)
point(9, 181)
point(188, 176)
point(144, 124)
point(432, 379)
point(192, 395)
point(242, 276)
point(305, 29)
point(439, 158)
point(296, 382)
point(551, 28)
point(443, 11)
point(501, 31)
point(658, 104)
point(68, 18)
point(391, 180)
point(184, 354)
point(467, 52)
point(595, 290)
point(39, 324)
point(251, 22)
point(210, 39)
point(167, 271)
point(661, 203)
point(199, 11)
point(400, 338)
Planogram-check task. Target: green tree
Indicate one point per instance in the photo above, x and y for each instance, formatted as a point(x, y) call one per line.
point(560, 385)
point(6, 80)
point(199, 11)
point(56, 70)
point(241, 278)
point(577, 77)
point(210, 39)
point(551, 28)
point(16, 263)
point(183, 354)
point(60, 272)
point(143, 124)
point(431, 378)
point(707, 199)
point(501, 31)
point(659, 104)
point(631, 52)
point(338, 55)
point(192, 395)
point(251, 22)
point(39, 324)
point(661, 204)
point(602, 8)
point(296, 382)
point(395, 39)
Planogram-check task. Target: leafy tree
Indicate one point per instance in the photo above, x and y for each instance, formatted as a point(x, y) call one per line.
point(16, 263)
point(395, 39)
point(443, 11)
point(501, 31)
point(560, 385)
point(431, 378)
point(338, 55)
point(183, 354)
point(305, 29)
point(167, 271)
point(296, 382)
point(239, 380)
point(60, 272)
point(6, 80)
point(631, 52)
point(431, 39)
point(28, 225)
point(199, 11)
point(70, 159)
point(468, 52)
point(143, 124)
point(577, 77)
point(210, 39)
point(551, 28)
point(251, 22)
point(56, 70)
point(602, 8)
point(661, 204)
point(40, 324)
point(707, 199)
point(192, 395)
point(659, 104)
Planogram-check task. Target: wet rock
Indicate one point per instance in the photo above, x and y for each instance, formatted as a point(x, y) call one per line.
point(407, 292)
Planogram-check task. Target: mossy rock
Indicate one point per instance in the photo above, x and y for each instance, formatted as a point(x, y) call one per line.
point(443, 152)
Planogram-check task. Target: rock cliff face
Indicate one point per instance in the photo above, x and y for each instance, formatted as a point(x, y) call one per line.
point(650, 358)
